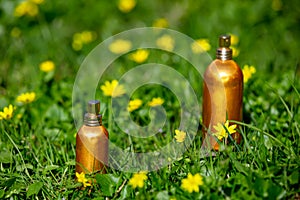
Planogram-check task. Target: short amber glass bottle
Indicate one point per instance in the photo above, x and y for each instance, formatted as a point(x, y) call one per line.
point(92, 142)
point(222, 93)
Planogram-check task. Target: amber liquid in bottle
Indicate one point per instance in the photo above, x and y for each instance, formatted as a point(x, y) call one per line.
point(92, 142)
point(222, 94)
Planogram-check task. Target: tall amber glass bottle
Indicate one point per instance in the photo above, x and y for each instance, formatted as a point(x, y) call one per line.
point(222, 93)
point(92, 142)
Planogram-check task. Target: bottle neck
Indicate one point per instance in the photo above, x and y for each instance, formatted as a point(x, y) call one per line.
point(224, 53)
point(92, 119)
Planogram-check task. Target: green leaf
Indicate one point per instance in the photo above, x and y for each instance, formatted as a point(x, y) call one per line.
point(5, 157)
point(214, 196)
point(48, 76)
point(2, 192)
point(8, 183)
point(162, 195)
point(22, 167)
point(34, 188)
point(294, 177)
point(260, 187)
point(49, 168)
point(56, 113)
point(73, 186)
point(125, 191)
point(16, 188)
point(71, 162)
point(240, 167)
point(108, 183)
point(275, 191)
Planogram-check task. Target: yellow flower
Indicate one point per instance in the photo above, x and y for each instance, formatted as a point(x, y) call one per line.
point(84, 37)
point(112, 89)
point(26, 8)
point(234, 39)
point(7, 112)
point(27, 97)
point(200, 46)
point(77, 37)
point(88, 36)
point(221, 131)
point(47, 66)
point(156, 102)
point(134, 104)
point(247, 72)
point(139, 56)
point(77, 45)
point(126, 5)
point(120, 46)
point(15, 32)
point(161, 23)
point(192, 183)
point(37, 1)
point(235, 51)
point(81, 179)
point(165, 42)
point(138, 180)
point(180, 135)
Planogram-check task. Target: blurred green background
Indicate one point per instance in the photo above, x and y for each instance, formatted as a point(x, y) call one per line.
point(268, 32)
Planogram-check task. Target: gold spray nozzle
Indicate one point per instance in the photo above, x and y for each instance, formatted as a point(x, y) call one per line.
point(224, 41)
point(224, 52)
point(94, 107)
point(93, 117)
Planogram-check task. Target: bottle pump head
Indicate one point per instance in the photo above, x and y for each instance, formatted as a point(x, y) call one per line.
point(93, 117)
point(224, 52)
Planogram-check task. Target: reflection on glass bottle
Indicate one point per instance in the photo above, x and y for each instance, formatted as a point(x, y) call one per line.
point(92, 142)
point(222, 93)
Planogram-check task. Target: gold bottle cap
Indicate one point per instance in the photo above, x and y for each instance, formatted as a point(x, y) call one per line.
point(224, 52)
point(93, 117)
point(94, 107)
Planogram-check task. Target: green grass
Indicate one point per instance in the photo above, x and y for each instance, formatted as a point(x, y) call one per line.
point(37, 151)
